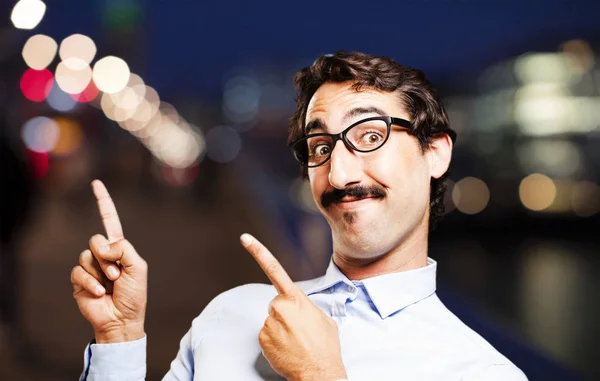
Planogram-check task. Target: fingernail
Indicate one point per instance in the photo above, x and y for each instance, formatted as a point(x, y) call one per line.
point(103, 249)
point(246, 239)
point(99, 290)
point(112, 271)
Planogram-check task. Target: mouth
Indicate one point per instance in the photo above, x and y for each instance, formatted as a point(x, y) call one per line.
point(349, 202)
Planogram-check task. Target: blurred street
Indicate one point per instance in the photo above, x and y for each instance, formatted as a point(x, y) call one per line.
point(182, 109)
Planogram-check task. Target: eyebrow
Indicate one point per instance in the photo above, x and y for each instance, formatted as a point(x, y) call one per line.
point(318, 124)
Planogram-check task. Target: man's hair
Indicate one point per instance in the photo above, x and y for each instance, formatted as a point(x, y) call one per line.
point(416, 95)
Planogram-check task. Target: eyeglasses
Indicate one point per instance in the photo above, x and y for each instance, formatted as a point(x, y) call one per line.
point(366, 135)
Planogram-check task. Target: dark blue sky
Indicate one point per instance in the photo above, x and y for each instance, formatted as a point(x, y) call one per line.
point(188, 43)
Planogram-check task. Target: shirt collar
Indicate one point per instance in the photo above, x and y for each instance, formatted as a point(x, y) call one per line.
point(389, 292)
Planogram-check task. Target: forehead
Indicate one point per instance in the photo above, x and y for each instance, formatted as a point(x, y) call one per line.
point(332, 100)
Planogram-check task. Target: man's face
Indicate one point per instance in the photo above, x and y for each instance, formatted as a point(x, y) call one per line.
point(394, 179)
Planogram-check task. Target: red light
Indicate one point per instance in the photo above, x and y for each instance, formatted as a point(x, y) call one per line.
point(36, 84)
point(87, 95)
point(179, 176)
point(39, 163)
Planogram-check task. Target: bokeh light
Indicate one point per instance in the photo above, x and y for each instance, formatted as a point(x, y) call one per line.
point(148, 129)
point(537, 192)
point(39, 51)
point(585, 198)
point(177, 146)
point(112, 111)
point(223, 144)
point(78, 46)
point(40, 134)
point(152, 97)
point(60, 101)
point(39, 163)
point(169, 111)
point(147, 108)
point(130, 97)
point(555, 157)
point(179, 176)
point(581, 55)
point(36, 84)
point(241, 98)
point(111, 74)
point(142, 115)
point(27, 14)
point(543, 68)
point(73, 75)
point(470, 195)
point(548, 293)
point(69, 137)
point(88, 94)
point(543, 109)
point(562, 199)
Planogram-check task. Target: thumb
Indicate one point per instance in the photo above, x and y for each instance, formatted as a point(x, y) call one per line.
point(123, 252)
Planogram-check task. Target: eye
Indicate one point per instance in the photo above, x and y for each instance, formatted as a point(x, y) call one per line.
point(320, 150)
point(372, 138)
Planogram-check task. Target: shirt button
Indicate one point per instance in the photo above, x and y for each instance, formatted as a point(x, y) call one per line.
point(351, 288)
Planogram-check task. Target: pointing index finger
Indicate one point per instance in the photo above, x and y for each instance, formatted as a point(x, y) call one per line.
point(108, 212)
point(270, 265)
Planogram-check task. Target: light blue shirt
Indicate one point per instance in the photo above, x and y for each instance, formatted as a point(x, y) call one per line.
point(391, 326)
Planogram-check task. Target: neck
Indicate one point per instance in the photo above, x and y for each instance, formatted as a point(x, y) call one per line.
point(410, 254)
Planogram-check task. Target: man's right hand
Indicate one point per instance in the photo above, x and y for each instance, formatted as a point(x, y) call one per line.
point(111, 281)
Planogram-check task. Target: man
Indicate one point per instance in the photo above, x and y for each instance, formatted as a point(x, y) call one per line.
point(374, 142)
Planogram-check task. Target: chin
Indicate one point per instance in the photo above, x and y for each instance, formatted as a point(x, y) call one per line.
point(363, 249)
point(360, 239)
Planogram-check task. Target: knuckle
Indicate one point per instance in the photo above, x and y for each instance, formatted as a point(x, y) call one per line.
point(108, 214)
point(263, 337)
point(84, 257)
point(90, 284)
point(74, 273)
point(277, 307)
point(271, 268)
point(95, 240)
point(268, 325)
point(117, 247)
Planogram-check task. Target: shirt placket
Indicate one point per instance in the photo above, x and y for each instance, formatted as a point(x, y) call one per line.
point(342, 295)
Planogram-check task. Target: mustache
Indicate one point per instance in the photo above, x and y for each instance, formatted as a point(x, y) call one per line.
point(359, 191)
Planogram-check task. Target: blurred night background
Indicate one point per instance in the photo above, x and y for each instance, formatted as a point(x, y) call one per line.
point(181, 108)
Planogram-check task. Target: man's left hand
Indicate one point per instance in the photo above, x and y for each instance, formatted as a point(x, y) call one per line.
point(300, 342)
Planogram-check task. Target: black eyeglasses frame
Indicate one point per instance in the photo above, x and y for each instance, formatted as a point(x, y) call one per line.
point(389, 120)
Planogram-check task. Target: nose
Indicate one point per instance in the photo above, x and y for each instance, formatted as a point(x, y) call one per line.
point(344, 167)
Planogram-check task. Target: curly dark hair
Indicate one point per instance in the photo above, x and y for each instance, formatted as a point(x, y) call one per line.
point(416, 94)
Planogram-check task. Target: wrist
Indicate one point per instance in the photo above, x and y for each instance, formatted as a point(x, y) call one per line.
point(332, 374)
point(120, 334)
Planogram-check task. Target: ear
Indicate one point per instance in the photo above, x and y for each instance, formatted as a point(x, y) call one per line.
point(439, 155)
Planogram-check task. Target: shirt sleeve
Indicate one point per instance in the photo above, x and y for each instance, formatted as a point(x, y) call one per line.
point(113, 362)
point(498, 372)
point(127, 361)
